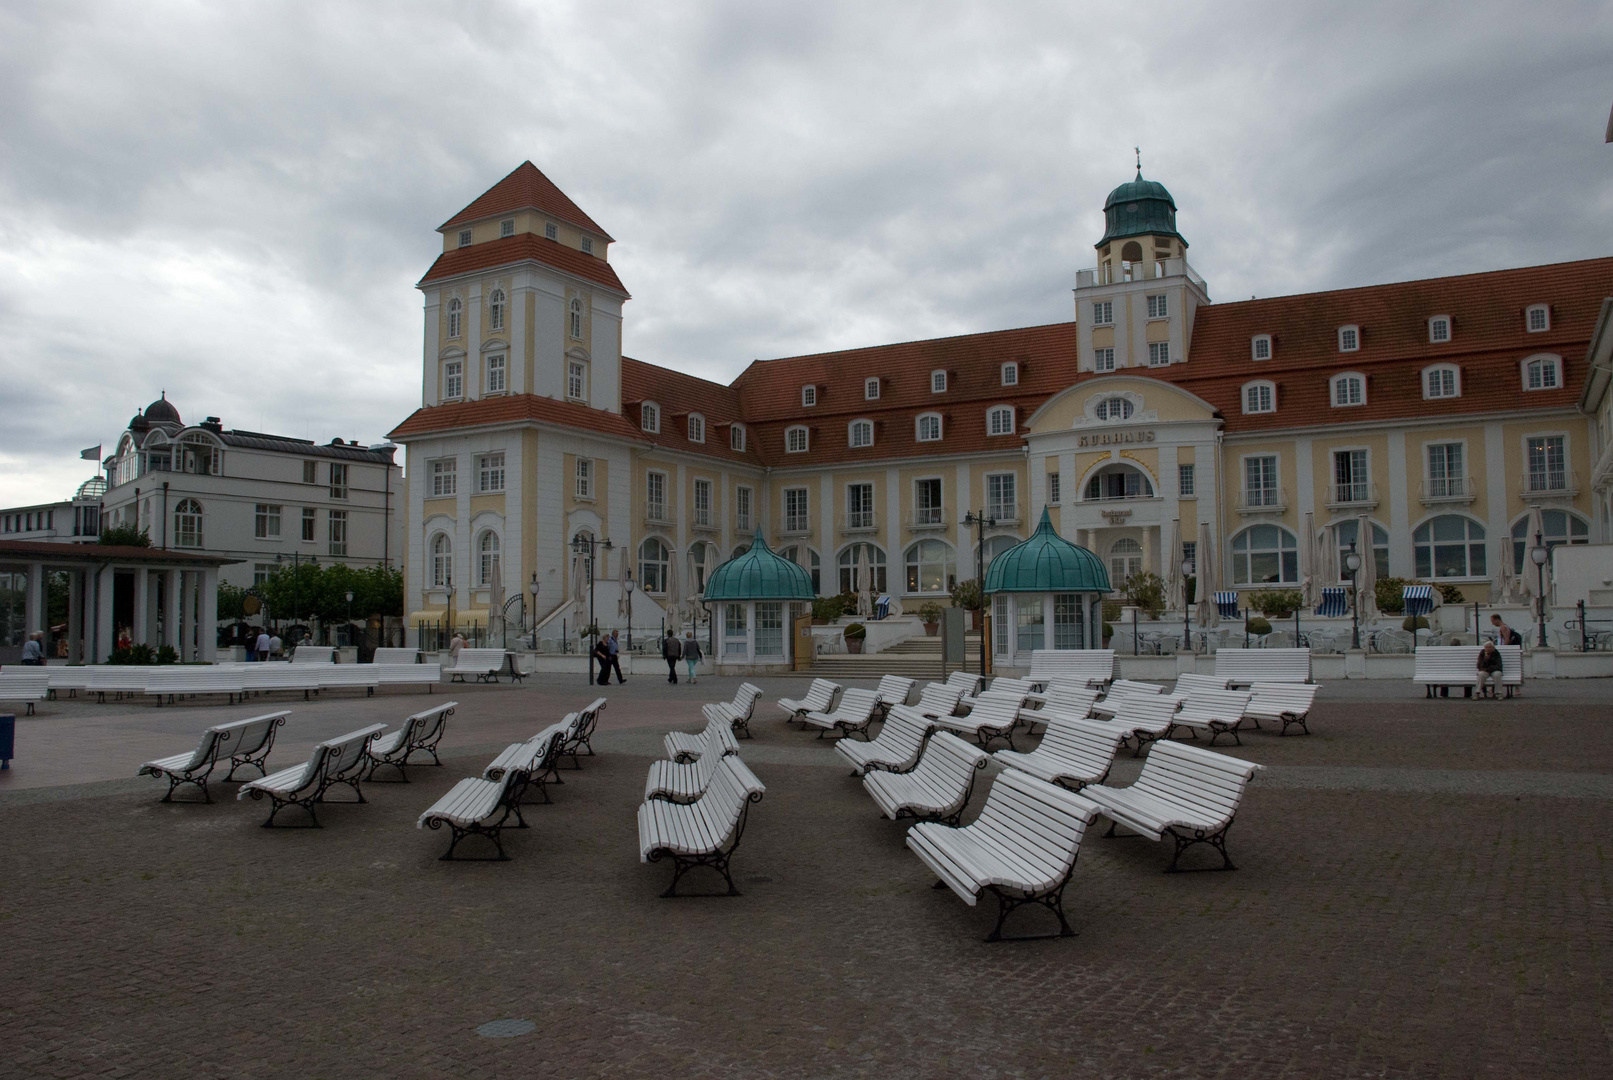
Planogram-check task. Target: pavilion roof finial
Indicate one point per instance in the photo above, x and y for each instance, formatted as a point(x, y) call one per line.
point(1139, 161)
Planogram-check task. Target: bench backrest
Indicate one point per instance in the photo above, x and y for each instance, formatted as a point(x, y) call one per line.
point(347, 752)
point(1189, 682)
point(904, 732)
point(820, 695)
point(480, 659)
point(939, 699)
point(1264, 665)
point(745, 700)
point(1072, 665)
point(1069, 701)
point(1282, 697)
point(319, 654)
point(965, 682)
point(215, 741)
point(1460, 662)
point(1088, 742)
point(1011, 686)
point(187, 680)
point(396, 656)
point(1220, 705)
point(26, 682)
point(856, 705)
point(894, 689)
point(1024, 812)
point(1146, 710)
point(997, 708)
point(949, 763)
point(249, 736)
point(717, 738)
point(1132, 686)
point(732, 786)
point(1210, 783)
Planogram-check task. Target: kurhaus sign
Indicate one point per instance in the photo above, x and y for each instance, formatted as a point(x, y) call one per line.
point(1114, 438)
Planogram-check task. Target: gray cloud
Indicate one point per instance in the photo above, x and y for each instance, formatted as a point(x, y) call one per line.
point(233, 202)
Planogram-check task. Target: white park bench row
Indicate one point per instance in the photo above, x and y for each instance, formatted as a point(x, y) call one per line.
point(485, 664)
point(717, 737)
point(341, 760)
point(857, 709)
point(1075, 667)
point(820, 697)
point(738, 712)
point(1437, 668)
point(28, 686)
point(936, 789)
point(419, 734)
point(705, 832)
point(1243, 666)
point(241, 742)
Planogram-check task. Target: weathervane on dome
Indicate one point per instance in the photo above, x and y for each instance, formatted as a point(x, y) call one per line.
point(1139, 161)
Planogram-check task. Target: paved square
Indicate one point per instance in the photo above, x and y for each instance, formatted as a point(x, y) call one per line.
point(1423, 892)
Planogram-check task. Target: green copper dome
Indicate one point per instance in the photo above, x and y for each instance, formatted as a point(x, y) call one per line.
point(1139, 208)
point(759, 575)
point(1046, 563)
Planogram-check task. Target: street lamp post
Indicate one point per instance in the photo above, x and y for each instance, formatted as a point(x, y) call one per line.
point(630, 611)
point(981, 523)
point(1352, 565)
point(532, 587)
point(349, 615)
point(1187, 617)
point(586, 546)
point(1540, 553)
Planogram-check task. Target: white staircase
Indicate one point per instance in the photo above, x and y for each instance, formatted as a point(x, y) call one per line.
point(915, 658)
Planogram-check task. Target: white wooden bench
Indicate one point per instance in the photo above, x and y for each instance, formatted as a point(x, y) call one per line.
point(936, 700)
point(582, 732)
point(937, 788)
point(71, 677)
point(1022, 848)
point(1144, 717)
point(1024, 688)
point(313, 654)
point(349, 676)
point(485, 664)
point(1073, 753)
point(341, 760)
point(1189, 682)
point(966, 682)
point(29, 686)
point(1187, 792)
point(1080, 667)
point(478, 807)
point(1132, 686)
point(1439, 667)
point(1059, 700)
point(702, 833)
point(897, 749)
point(994, 716)
point(178, 681)
point(893, 690)
point(396, 656)
point(242, 742)
point(539, 756)
point(1216, 712)
point(427, 675)
point(717, 737)
point(1284, 703)
point(820, 697)
point(1241, 667)
point(857, 709)
point(420, 733)
point(682, 782)
point(274, 678)
point(736, 713)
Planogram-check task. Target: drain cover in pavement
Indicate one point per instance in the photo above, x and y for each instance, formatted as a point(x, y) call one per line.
point(505, 1029)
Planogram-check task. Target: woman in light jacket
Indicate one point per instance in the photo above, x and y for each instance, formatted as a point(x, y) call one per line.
point(691, 654)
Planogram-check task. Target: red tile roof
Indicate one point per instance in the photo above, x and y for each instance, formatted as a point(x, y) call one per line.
point(525, 189)
point(678, 395)
point(513, 409)
point(523, 247)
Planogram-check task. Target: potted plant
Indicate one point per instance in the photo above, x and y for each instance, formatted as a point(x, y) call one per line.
point(1413, 623)
point(967, 595)
point(826, 609)
point(1259, 627)
point(1108, 632)
point(930, 615)
point(854, 634)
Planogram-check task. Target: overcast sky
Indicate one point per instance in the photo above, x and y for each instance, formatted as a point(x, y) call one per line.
point(233, 202)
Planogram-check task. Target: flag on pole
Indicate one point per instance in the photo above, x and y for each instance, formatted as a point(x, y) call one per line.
point(92, 454)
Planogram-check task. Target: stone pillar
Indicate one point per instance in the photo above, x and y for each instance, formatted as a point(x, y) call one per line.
point(34, 612)
point(207, 619)
point(104, 637)
point(170, 608)
point(140, 632)
point(183, 622)
point(75, 616)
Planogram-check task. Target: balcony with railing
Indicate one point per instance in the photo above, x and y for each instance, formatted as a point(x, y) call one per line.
point(1262, 500)
point(1006, 513)
point(743, 523)
point(927, 517)
point(1549, 484)
point(702, 519)
point(658, 513)
point(1448, 489)
point(1118, 274)
point(860, 521)
point(796, 525)
point(1361, 495)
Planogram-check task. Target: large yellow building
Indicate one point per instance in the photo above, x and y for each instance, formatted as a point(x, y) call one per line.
point(1438, 412)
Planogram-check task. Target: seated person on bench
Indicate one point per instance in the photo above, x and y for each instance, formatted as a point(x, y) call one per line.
point(1489, 666)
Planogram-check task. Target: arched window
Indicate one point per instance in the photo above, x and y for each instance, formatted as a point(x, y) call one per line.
point(1265, 554)
point(653, 557)
point(995, 546)
point(1557, 527)
point(1118, 482)
point(740, 550)
point(1125, 559)
point(1259, 397)
point(795, 440)
point(1115, 408)
point(930, 567)
point(188, 524)
point(703, 559)
point(1349, 389)
point(455, 311)
point(697, 428)
point(582, 551)
point(1543, 372)
point(487, 558)
point(442, 561)
point(736, 437)
point(849, 560)
point(1345, 533)
point(576, 318)
point(198, 455)
point(927, 428)
point(813, 564)
point(860, 433)
point(1449, 546)
point(649, 417)
point(1000, 420)
point(495, 310)
point(1442, 381)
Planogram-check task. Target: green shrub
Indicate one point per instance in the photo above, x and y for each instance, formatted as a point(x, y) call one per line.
point(125, 536)
point(1108, 631)
point(1281, 603)
point(1389, 594)
point(167, 655)
point(1414, 623)
point(138, 655)
point(828, 608)
point(1257, 625)
point(1451, 594)
point(855, 631)
point(930, 611)
point(967, 595)
point(1145, 590)
point(1111, 610)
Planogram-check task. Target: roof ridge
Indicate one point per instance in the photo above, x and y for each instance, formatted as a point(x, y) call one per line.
point(908, 341)
point(525, 187)
point(1411, 281)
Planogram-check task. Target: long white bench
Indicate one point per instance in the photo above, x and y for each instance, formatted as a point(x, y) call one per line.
point(485, 664)
point(1059, 700)
point(582, 732)
point(1186, 792)
point(820, 697)
point(935, 701)
point(1080, 667)
point(897, 748)
point(1132, 686)
point(1073, 753)
point(478, 807)
point(241, 742)
point(350, 676)
point(702, 833)
point(966, 682)
point(1241, 667)
point(1284, 703)
point(419, 734)
point(857, 709)
point(28, 686)
point(1024, 688)
point(994, 716)
point(1144, 717)
point(717, 737)
point(275, 678)
point(893, 690)
point(682, 782)
point(396, 656)
point(1188, 682)
point(427, 675)
point(1215, 712)
point(313, 654)
point(189, 681)
point(938, 787)
point(341, 760)
point(538, 757)
point(1440, 667)
point(1022, 848)
point(738, 712)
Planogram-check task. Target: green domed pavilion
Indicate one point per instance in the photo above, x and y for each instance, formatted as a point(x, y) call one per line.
point(1046, 593)
point(758, 596)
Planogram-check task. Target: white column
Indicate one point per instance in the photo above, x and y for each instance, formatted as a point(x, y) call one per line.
point(208, 620)
point(1400, 558)
point(140, 631)
point(895, 566)
point(75, 616)
point(34, 599)
point(104, 637)
point(170, 608)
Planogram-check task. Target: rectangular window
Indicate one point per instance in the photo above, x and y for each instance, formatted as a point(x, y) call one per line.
point(1260, 480)
point(444, 477)
point(588, 245)
point(1030, 627)
point(1103, 359)
point(1053, 487)
point(1539, 318)
point(1185, 482)
point(1441, 383)
point(310, 472)
point(927, 501)
point(735, 633)
point(1067, 621)
point(929, 428)
point(1159, 353)
point(1103, 313)
point(267, 522)
point(310, 519)
point(871, 389)
point(506, 227)
point(1350, 476)
point(742, 509)
point(490, 473)
point(809, 396)
point(697, 429)
point(453, 379)
point(1002, 499)
point(938, 382)
point(585, 478)
point(795, 510)
point(338, 481)
point(1190, 553)
point(1260, 347)
point(550, 231)
point(1439, 330)
point(1156, 307)
point(1348, 390)
point(1349, 339)
point(736, 437)
point(338, 532)
point(655, 496)
point(577, 380)
point(702, 503)
point(496, 382)
point(464, 238)
point(859, 506)
point(261, 572)
point(1011, 374)
point(1547, 464)
point(795, 440)
point(770, 629)
point(1446, 476)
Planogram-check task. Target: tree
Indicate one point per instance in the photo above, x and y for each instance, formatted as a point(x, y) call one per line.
point(230, 601)
point(125, 536)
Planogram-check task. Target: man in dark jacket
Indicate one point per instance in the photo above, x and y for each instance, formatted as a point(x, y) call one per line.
point(1505, 635)
point(671, 652)
point(1489, 666)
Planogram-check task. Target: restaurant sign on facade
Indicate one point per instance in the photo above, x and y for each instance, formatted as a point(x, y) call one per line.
point(1114, 438)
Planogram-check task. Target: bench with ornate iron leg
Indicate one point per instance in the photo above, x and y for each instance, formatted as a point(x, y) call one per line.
point(582, 730)
point(682, 782)
point(539, 756)
point(716, 737)
point(820, 697)
point(966, 682)
point(994, 716)
point(1024, 688)
point(1186, 792)
point(1091, 668)
point(485, 664)
point(702, 833)
point(1285, 703)
point(737, 713)
point(897, 749)
point(1440, 667)
point(420, 733)
point(939, 786)
point(1073, 753)
point(476, 807)
point(1143, 717)
point(893, 690)
point(857, 710)
point(243, 742)
point(1187, 682)
point(1217, 712)
point(341, 760)
point(1022, 848)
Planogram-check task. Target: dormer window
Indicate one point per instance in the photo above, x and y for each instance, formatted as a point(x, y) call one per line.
point(588, 245)
point(1542, 373)
point(1260, 347)
point(860, 433)
point(809, 396)
point(506, 228)
point(1000, 420)
point(736, 437)
point(795, 440)
point(649, 417)
point(871, 389)
point(551, 231)
point(938, 382)
point(1439, 329)
point(1010, 374)
point(1349, 338)
point(1259, 397)
point(1349, 389)
point(927, 428)
point(697, 428)
point(464, 238)
point(1537, 318)
point(1442, 381)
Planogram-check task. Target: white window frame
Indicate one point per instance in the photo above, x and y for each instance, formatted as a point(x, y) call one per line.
point(919, 427)
point(489, 548)
point(498, 373)
point(1551, 360)
point(1010, 373)
point(649, 417)
point(587, 245)
point(1454, 481)
point(585, 479)
point(860, 425)
point(796, 522)
point(574, 318)
point(336, 532)
point(1337, 381)
point(656, 509)
point(1103, 359)
point(938, 381)
point(464, 238)
point(871, 388)
point(551, 231)
point(310, 524)
point(860, 518)
point(339, 472)
point(701, 511)
point(1055, 488)
point(929, 515)
point(497, 306)
point(1007, 483)
point(997, 412)
point(1103, 409)
point(442, 560)
point(1187, 484)
point(444, 477)
point(697, 428)
point(736, 437)
point(1270, 405)
point(1529, 313)
point(797, 439)
point(1157, 305)
point(1350, 338)
point(453, 379)
point(1433, 373)
point(506, 228)
point(809, 396)
point(1276, 486)
point(1103, 313)
point(1254, 347)
point(744, 508)
point(456, 317)
point(266, 521)
point(577, 379)
point(1437, 323)
point(490, 472)
point(1159, 354)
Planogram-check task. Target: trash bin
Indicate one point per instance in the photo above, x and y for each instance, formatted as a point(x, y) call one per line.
point(8, 738)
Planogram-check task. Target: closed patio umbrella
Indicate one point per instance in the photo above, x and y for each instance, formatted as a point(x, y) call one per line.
point(621, 587)
point(1505, 580)
point(674, 598)
point(1171, 563)
point(495, 603)
point(579, 587)
point(1307, 561)
point(865, 584)
point(1209, 614)
point(1367, 580)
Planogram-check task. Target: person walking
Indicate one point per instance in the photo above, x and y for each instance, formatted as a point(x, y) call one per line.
point(454, 645)
point(264, 645)
point(1504, 634)
point(691, 654)
point(33, 650)
point(671, 651)
point(601, 656)
point(615, 644)
point(1489, 665)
